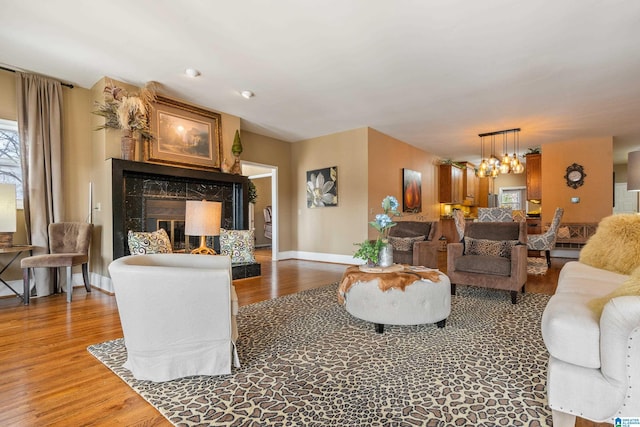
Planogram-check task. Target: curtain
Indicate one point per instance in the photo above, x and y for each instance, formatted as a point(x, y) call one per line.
point(40, 127)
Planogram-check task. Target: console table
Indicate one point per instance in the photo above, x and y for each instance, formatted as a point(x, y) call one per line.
point(17, 251)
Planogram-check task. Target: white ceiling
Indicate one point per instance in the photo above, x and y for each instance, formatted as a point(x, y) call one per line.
point(431, 73)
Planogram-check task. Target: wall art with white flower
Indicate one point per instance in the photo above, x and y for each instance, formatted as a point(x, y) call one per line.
point(322, 187)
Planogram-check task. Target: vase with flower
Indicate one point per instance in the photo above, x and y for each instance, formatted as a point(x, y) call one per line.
point(128, 112)
point(381, 250)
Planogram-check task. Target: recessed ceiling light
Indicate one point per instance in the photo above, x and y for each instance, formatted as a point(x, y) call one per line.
point(192, 72)
point(247, 94)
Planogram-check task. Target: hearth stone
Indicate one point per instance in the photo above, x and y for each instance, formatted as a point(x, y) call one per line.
point(245, 269)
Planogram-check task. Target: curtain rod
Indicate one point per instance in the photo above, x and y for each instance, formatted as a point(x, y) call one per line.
point(13, 71)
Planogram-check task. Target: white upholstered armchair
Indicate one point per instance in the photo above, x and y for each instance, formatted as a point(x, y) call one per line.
point(177, 313)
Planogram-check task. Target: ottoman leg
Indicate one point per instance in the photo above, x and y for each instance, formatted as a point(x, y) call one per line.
point(453, 289)
point(379, 328)
point(441, 323)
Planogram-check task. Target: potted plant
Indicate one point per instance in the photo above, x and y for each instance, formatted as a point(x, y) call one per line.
point(129, 113)
point(369, 251)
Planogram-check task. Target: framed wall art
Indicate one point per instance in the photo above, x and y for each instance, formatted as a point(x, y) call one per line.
point(185, 135)
point(322, 187)
point(411, 191)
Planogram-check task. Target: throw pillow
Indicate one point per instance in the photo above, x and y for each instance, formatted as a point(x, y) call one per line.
point(615, 246)
point(238, 244)
point(404, 243)
point(629, 287)
point(497, 248)
point(149, 242)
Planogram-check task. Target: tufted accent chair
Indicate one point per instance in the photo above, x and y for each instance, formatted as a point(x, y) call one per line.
point(69, 244)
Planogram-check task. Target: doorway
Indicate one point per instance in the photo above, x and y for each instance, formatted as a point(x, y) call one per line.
point(265, 179)
point(625, 201)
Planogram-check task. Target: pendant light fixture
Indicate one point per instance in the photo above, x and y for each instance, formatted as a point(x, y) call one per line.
point(484, 165)
point(505, 164)
point(516, 165)
point(493, 166)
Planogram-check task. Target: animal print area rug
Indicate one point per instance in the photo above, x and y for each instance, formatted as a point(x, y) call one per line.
point(536, 266)
point(307, 362)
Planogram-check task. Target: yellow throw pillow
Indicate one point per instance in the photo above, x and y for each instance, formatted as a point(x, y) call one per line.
point(630, 287)
point(616, 244)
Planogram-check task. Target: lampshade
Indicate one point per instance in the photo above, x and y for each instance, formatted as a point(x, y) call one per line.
point(202, 218)
point(7, 214)
point(633, 171)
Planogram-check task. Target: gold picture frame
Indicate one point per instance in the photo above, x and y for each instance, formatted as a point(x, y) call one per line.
point(184, 135)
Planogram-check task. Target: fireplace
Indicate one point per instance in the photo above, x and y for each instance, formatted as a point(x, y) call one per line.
point(149, 196)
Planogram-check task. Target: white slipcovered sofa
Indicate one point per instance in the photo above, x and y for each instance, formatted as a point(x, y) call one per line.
point(594, 357)
point(177, 313)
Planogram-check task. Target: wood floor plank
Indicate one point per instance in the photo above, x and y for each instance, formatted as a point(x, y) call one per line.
point(47, 377)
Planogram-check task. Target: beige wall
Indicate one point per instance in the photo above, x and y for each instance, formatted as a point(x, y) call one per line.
point(387, 157)
point(332, 230)
point(273, 152)
point(596, 195)
point(621, 172)
point(509, 180)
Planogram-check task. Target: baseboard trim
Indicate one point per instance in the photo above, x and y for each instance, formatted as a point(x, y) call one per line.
point(319, 256)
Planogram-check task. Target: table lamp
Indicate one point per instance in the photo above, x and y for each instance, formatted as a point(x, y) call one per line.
point(7, 214)
point(202, 219)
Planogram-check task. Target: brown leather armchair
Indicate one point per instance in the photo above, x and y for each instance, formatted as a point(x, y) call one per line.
point(415, 243)
point(493, 255)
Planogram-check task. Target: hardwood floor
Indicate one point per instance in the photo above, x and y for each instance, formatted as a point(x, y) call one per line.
point(47, 377)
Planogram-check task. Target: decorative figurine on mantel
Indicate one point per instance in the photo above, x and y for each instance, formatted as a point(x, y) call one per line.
point(236, 149)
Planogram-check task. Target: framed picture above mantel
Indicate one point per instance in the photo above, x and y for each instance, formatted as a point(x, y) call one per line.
point(185, 135)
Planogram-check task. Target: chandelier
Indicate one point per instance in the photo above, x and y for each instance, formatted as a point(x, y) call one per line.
point(492, 166)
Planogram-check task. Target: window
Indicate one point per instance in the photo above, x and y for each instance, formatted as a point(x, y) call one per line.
point(10, 167)
point(513, 197)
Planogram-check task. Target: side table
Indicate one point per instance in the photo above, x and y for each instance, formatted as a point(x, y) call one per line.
point(17, 250)
point(402, 297)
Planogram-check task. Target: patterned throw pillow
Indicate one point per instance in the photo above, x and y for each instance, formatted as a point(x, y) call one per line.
point(404, 243)
point(497, 248)
point(238, 244)
point(145, 242)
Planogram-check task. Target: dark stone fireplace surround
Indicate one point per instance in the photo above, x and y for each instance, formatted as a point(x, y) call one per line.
point(133, 183)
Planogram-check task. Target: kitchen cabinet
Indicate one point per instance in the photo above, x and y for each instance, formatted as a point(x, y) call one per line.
point(534, 176)
point(470, 185)
point(534, 225)
point(450, 184)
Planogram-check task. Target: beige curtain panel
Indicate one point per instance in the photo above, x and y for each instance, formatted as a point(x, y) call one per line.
point(40, 127)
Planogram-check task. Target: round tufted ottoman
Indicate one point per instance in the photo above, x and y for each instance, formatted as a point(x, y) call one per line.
point(421, 302)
